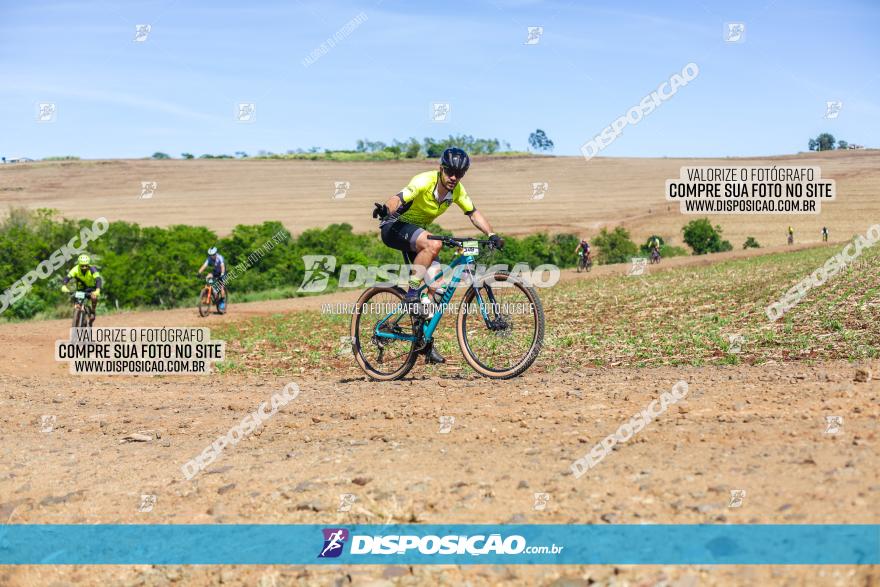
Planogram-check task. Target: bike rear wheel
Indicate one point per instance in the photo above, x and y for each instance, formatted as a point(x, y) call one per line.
point(505, 342)
point(205, 303)
point(383, 358)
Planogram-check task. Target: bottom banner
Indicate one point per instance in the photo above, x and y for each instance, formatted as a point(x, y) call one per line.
point(827, 544)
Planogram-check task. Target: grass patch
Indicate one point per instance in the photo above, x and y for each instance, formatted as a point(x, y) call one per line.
point(679, 316)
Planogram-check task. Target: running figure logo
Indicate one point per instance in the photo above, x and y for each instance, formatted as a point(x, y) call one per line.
point(148, 500)
point(141, 32)
point(346, 500)
point(47, 423)
point(541, 500)
point(148, 188)
point(539, 189)
point(334, 540)
point(440, 111)
point(736, 498)
point(341, 188)
point(318, 271)
point(832, 109)
point(735, 343)
point(638, 266)
point(534, 35)
point(346, 344)
point(46, 112)
point(246, 112)
point(446, 423)
point(734, 32)
point(833, 424)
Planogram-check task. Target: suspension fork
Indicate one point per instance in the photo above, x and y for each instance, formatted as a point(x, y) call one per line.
point(491, 303)
point(490, 295)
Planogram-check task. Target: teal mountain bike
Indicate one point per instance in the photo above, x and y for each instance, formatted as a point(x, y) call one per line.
point(499, 324)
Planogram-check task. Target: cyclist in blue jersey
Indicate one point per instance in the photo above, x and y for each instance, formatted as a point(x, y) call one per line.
point(218, 268)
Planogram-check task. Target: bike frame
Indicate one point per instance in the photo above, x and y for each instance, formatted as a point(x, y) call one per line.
point(84, 304)
point(209, 285)
point(460, 265)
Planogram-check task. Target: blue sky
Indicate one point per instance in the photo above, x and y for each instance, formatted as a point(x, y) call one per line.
point(177, 91)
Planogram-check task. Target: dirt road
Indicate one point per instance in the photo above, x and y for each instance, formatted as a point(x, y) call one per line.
point(757, 429)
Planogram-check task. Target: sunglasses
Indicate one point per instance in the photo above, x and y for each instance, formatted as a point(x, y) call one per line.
point(453, 173)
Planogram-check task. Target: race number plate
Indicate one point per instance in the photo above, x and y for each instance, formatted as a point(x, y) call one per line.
point(80, 295)
point(470, 248)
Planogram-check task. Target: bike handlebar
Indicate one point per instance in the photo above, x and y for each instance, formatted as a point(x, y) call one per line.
point(455, 240)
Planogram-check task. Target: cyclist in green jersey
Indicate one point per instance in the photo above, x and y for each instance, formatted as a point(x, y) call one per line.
point(406, 216)
point(86, 278)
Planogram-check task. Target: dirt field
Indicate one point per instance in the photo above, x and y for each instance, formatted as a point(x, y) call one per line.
point(582, 196)
point(760, 429)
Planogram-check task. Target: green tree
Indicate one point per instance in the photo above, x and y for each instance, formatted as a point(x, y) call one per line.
point(412, 148)
point(703, 238)
point(539, 141)
point(368, 146)
point(615, 246)
point(842, 145)
point(435, 147)
point(187, 155)
point(160, 155)
point(394, 150)
point(751, 243)
point(151, 266)
point(824, 142)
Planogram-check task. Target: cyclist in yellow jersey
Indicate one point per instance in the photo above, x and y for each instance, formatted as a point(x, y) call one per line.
point(86, 278)
point(406, 216)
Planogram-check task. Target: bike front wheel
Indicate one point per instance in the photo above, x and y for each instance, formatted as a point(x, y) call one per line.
point(500, 326)
point(79, 318)
point(205, 303)
point(383, 334)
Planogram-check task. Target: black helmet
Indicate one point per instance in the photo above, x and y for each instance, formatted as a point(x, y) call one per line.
point(455, 159)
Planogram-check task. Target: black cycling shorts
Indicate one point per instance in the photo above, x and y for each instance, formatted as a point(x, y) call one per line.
point(402, 236)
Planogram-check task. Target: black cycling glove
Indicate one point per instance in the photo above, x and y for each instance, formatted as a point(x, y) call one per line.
point(381, 211)
point(496, 242)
